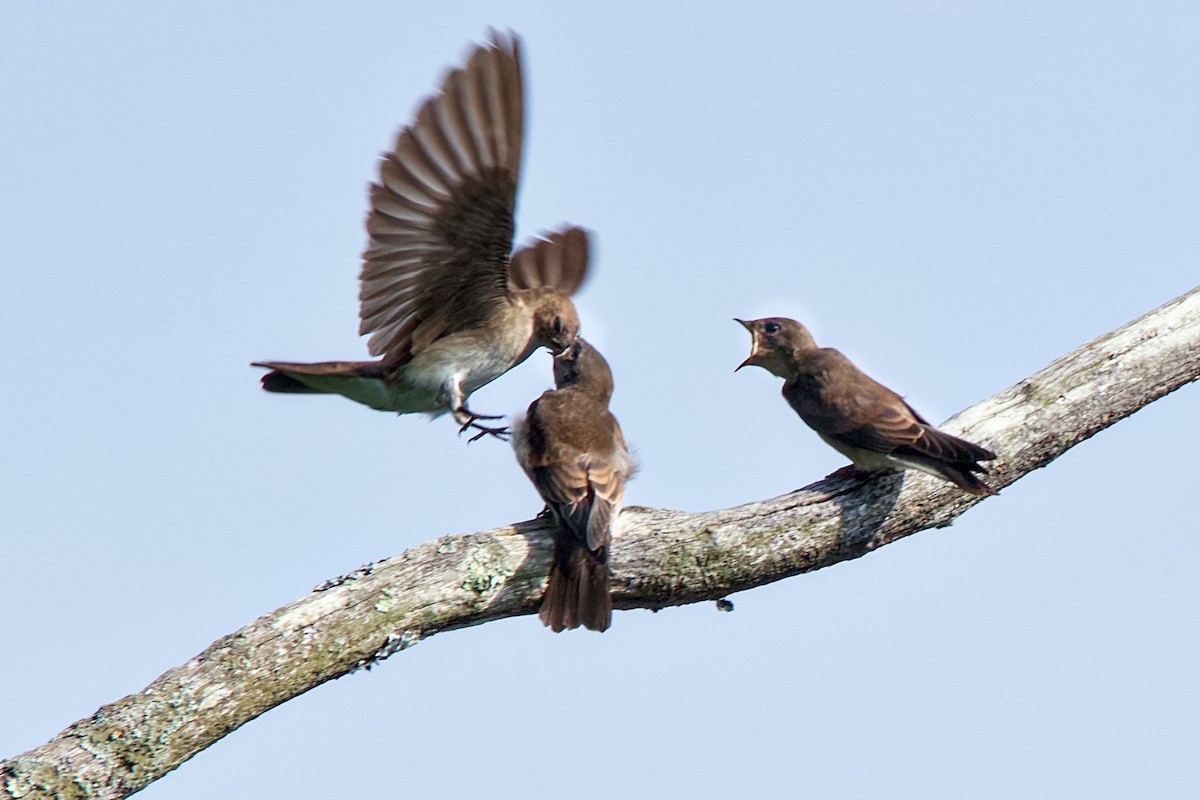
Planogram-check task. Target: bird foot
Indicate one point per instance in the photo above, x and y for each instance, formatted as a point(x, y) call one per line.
point(470, 420)
point(850, 473)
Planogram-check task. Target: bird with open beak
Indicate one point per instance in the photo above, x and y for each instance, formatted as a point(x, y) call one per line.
point(860, 418)
point(449, 309)
point(571, 447)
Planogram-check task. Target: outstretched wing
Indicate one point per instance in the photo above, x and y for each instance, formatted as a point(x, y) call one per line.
point(441, 218)
point(556, 260)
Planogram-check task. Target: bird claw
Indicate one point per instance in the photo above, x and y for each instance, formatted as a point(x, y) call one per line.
point(472, 421)
point(502, 433)
point(472, 416)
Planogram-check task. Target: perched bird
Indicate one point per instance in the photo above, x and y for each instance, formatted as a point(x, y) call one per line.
point(860, 418)
point(572, 449)
point(449, 309)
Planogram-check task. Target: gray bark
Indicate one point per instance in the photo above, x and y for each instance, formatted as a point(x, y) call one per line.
point(659, 558)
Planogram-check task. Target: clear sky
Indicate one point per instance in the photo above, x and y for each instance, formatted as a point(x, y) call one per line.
point(953, 194)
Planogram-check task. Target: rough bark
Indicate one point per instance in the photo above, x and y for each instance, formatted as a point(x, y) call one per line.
point(660, 558)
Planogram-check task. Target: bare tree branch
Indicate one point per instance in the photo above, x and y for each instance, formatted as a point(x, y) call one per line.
point(659, 558)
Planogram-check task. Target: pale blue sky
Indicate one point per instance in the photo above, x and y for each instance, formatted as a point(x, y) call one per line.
point(952, 193)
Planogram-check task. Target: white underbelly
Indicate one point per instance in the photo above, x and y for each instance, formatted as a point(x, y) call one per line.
point(865, 460)
point(460, 361)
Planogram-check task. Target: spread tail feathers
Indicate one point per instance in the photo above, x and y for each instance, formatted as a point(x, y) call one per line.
point(577, 593)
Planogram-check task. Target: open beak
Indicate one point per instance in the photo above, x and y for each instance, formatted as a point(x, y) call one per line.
point(749, 362)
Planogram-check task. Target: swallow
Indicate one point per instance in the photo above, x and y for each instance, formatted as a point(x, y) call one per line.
point(449, 306)
point(855, 415)
point(572, 449)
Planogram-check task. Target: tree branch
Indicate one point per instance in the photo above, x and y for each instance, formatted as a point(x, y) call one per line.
point(659, 558)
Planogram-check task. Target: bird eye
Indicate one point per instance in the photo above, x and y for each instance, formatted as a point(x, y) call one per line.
point(558, 326)
point(771, 327)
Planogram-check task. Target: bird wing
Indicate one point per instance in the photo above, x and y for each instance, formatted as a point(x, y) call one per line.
point(579, 465)
point(565, 487)
point(883, 422)
point(840, 401)
point(889, 428)
point(583, 492)
point(557, 260)
point(943, 447)
point(441, 220)
point(845, 405)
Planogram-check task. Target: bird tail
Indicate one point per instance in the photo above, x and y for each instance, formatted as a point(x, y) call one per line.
point(276, 381)
point(578, 591)
point(321, 378)
point(949, 457)
point(377, 384)
point(962, 475)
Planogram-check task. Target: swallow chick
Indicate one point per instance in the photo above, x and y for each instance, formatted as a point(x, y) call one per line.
point(855, 415)
point(450, 307)
point(572, 449)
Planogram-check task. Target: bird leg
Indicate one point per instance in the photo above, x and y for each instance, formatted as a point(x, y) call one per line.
point(469, 419)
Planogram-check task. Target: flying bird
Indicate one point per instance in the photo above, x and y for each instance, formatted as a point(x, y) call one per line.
point(860, 418)
point(448, 307)
point(571, 447)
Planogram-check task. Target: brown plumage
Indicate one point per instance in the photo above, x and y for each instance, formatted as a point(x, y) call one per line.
point(571, 447)
point(857, 416)
point(448, 310)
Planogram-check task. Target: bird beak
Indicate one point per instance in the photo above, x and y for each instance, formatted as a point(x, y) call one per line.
point(749, 362)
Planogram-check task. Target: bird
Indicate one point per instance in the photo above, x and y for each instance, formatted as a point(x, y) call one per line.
point(571, 447)
point(450, 307)
point(855, 415)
